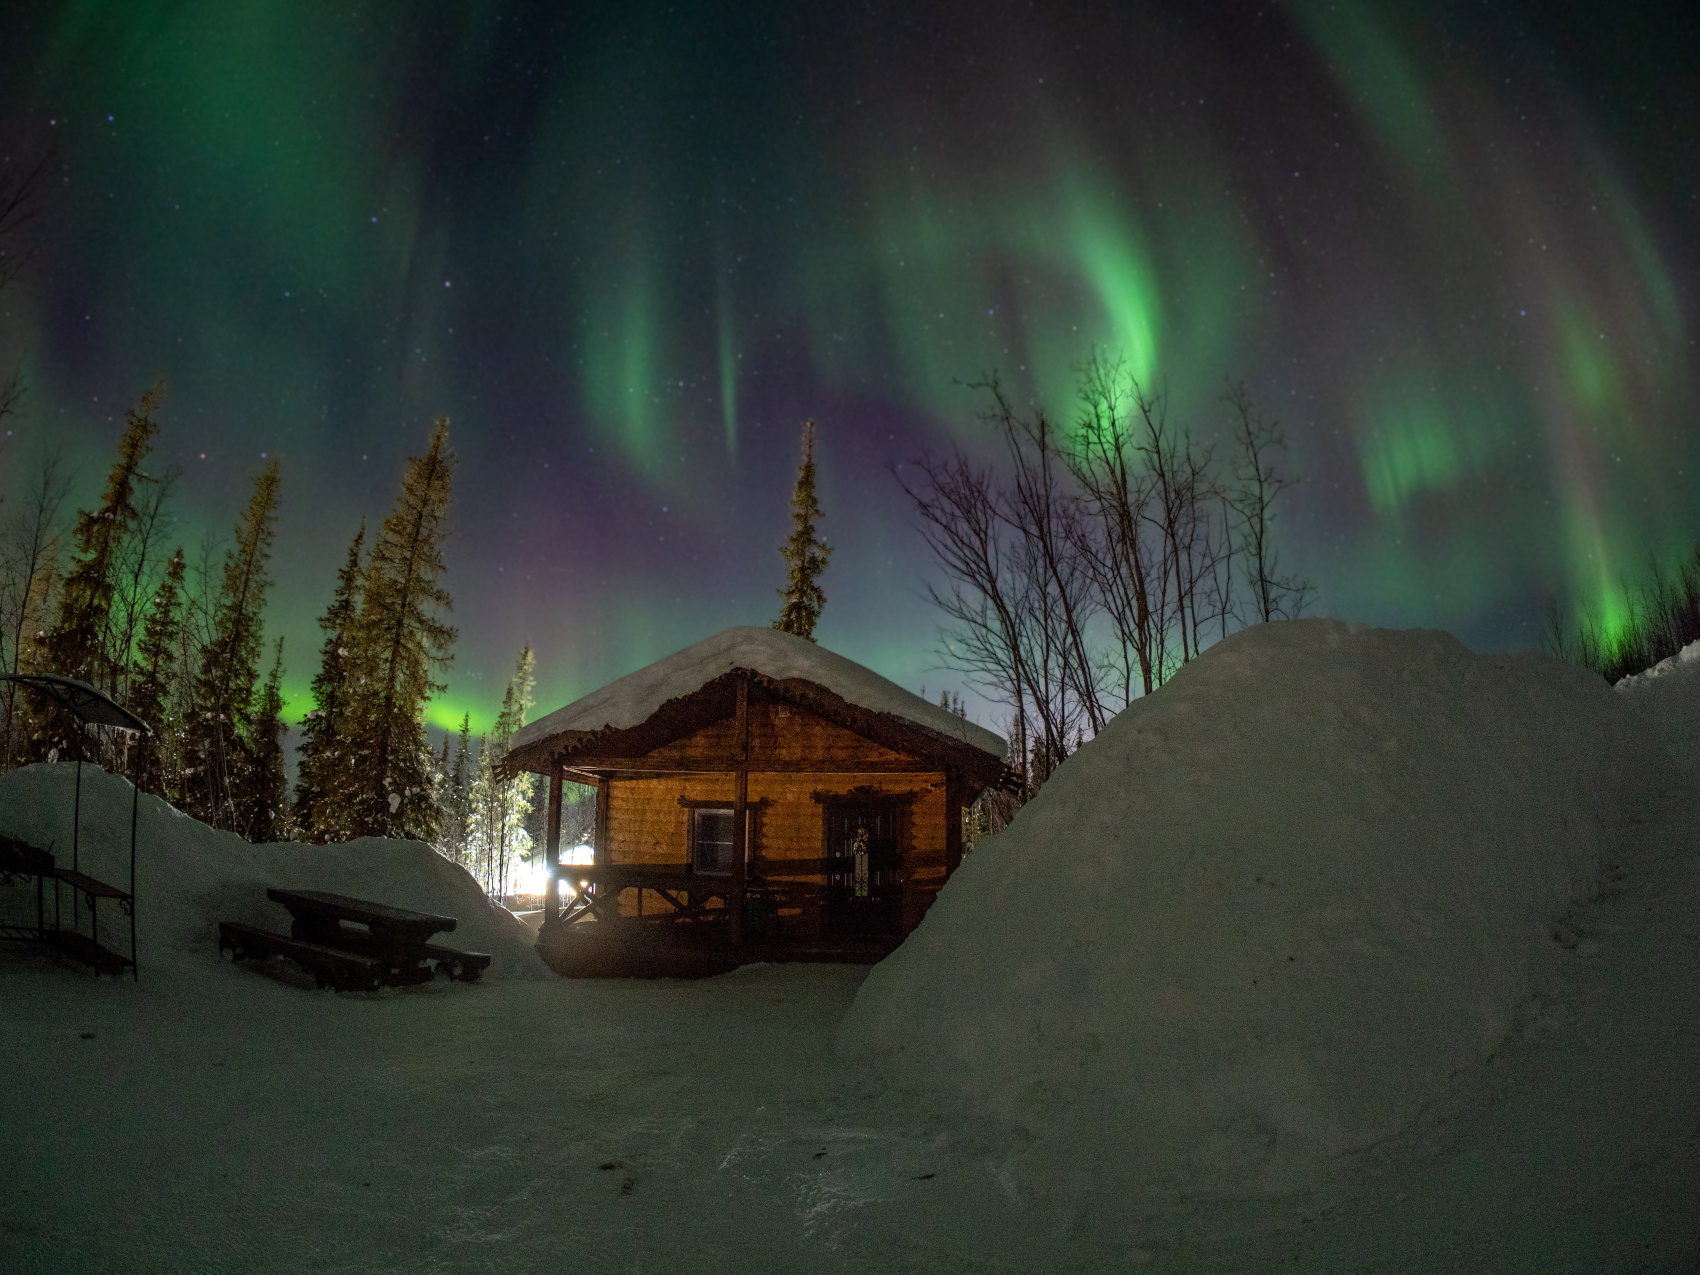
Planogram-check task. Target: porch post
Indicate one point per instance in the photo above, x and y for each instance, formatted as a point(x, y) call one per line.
point(552, 846)
point(740, 809)
point(952, 824)
point(600, 848)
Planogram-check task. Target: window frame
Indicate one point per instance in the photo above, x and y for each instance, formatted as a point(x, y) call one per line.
point(696, 841)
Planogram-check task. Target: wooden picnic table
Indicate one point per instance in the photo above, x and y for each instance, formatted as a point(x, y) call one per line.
point(355, 943)
point(334, 919)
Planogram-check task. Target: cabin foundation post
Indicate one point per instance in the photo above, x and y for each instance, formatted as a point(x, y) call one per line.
point(552, 848)
point(740, 810)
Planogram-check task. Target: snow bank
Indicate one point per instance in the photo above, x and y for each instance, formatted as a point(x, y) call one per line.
point(635, 697)
point(189, 877)
point(1667, 696)
point(1264, 916)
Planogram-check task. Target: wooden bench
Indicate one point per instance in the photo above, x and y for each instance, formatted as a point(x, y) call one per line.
point(329, 966)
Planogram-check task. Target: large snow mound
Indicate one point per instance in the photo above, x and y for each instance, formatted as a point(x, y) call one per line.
point(1668, 697)
point(1263, 917)
point(189, 877)
point(633, 698)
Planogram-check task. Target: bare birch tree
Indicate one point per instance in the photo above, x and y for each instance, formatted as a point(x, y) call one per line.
point(1084, 571)
point(29, 557)
point(1258, 482)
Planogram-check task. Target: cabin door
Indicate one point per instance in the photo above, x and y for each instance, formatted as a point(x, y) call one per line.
point(862, 879)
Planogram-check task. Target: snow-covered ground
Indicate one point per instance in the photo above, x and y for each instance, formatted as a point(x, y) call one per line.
point(218, 1118)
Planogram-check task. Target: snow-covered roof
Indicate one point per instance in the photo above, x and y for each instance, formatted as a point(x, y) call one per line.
point(635, 697)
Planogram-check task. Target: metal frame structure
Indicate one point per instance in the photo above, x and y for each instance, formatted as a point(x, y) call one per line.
point(91, 707)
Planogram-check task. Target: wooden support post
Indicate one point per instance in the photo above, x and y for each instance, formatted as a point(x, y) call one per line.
point(600, 849)
point(552, 848)
point(740, 809)
point(952, 824)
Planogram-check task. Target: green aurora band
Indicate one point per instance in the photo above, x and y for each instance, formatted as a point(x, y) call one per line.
point(639, 247)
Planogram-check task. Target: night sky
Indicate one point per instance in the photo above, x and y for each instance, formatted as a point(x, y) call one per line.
point(628, 248)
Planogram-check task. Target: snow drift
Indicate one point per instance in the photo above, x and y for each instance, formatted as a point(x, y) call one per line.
point(189, 877)
point(1263, 917)
point(1667, 696)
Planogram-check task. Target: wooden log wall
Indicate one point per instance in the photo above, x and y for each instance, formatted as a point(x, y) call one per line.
point(647, 824)
point(778, 735)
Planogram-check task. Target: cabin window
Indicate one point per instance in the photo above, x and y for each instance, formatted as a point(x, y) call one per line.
point(711, 840)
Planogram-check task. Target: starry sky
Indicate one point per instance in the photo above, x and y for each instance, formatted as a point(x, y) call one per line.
point(628, 248)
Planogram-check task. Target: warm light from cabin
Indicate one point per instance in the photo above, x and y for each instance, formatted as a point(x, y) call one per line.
point(534, 876)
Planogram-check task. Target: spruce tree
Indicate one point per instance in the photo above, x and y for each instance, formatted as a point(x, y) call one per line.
point(324, 772)
point(222, 730)
point(262, 803)
point(77, 645)
point(152, 682)
point(804, 553)
point(400, 643)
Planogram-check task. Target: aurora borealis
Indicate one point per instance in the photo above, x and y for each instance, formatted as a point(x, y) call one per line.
point(627, 249)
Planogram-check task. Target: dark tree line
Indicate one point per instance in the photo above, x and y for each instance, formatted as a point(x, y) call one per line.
point(181, 641)
point(126, 618)
point(1661, 617)
point(487, 818)
point(1092, 562)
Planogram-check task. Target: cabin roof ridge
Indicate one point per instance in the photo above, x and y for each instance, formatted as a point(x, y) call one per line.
point(679, 690)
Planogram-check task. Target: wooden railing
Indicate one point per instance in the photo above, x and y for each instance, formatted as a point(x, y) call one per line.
point(686, 892)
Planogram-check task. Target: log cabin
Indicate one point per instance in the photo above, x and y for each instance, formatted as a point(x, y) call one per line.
point(757, 798)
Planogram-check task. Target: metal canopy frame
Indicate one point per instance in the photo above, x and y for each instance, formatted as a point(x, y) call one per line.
point(91, 707)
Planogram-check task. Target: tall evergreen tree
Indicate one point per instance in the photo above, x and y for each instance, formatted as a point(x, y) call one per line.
point(262, 804)
point(401, 643)
point(77, 645)
point(804, 553)
point(151, 683)
point(324, 772)
point(223, 730)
